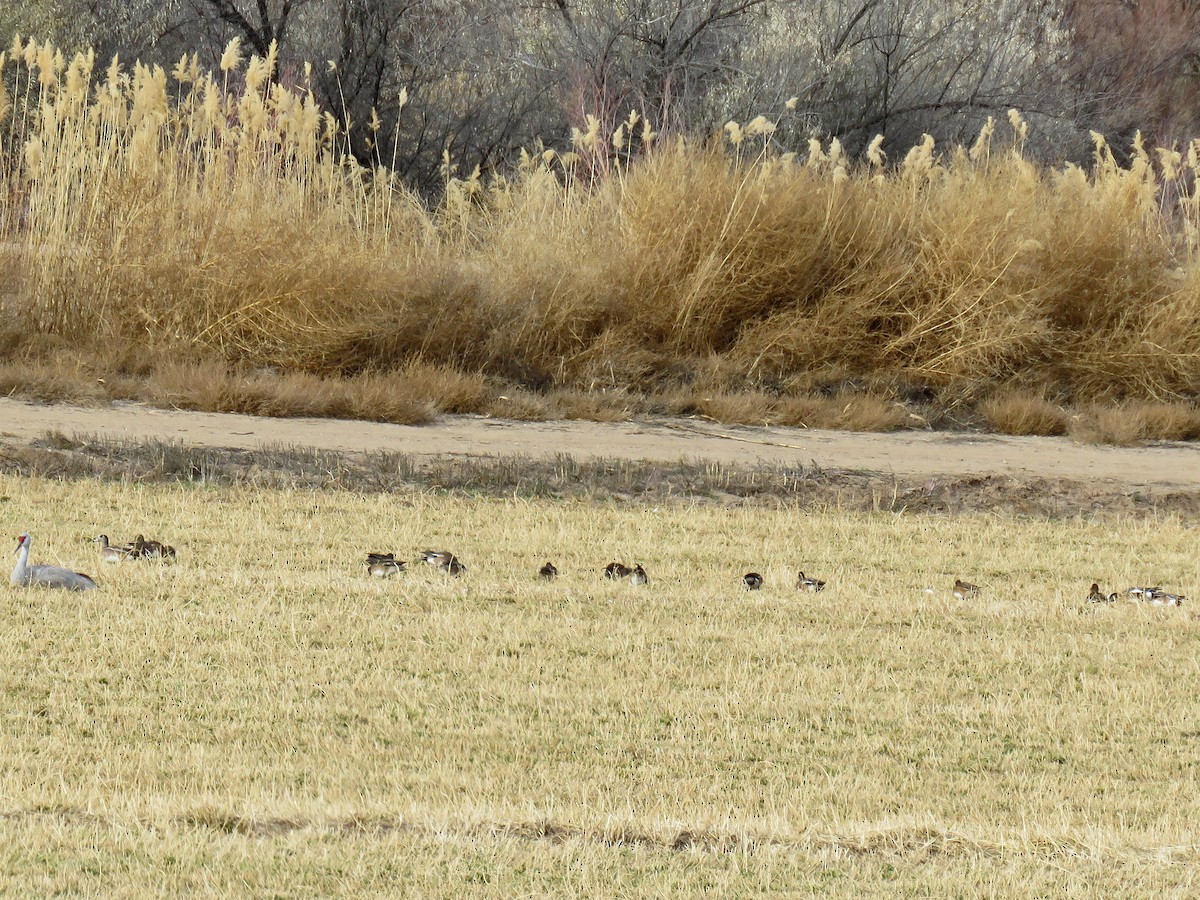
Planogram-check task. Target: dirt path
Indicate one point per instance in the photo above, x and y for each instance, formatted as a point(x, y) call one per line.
point(1171, 466)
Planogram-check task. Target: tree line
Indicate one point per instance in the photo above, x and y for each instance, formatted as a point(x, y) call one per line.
point(485, 79)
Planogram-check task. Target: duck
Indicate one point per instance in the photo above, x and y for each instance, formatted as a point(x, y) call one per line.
point(752, 580)
point(1095, 595)
point(111, 553)
point(1138, 594)
point(616, 570)
point(383, 565)
point(23, 574)
point(804, 583)
point(964, 589)
point(548, 571)
point(444, 560)
point(144, 549)
point(638, 576)
point(1163, 598)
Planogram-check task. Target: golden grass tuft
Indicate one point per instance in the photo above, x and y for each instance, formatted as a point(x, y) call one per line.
point(726, 407)
point(1130, 422)
point(844, 410)
point(594, 406)
point(445, 389)
point(1171, 421)
point(1016, 412)
point(48, 383)
point(214, 387)
point(1122, 425)
point(517, 404)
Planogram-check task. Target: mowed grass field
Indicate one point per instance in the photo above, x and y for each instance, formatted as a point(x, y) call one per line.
point(263, 719)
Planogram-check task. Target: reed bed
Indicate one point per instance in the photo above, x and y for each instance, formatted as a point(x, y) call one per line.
point(219, 219)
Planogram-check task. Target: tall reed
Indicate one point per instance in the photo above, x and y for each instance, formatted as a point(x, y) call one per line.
point(221, 212)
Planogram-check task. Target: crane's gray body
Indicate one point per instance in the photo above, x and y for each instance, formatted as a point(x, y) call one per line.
point(25, 575)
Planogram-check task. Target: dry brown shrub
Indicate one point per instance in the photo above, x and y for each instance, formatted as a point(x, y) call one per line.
point(1166, 421)
point(382, 398)
point(734, 408)
point(1121, 425)
point(212, 386)
point(189, 385)
point(518, 404)
point(845, 410)
point(47, 382)
point(446, 390)
point(617, 359)
point(1016, 412)
point(594, 406)
point(283, 395)
point(220, 221)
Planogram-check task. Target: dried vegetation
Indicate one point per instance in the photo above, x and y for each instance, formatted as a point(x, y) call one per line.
point(262, 718)
point(217, 222)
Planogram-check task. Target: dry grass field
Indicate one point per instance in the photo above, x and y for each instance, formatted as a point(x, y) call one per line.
point(263, 719)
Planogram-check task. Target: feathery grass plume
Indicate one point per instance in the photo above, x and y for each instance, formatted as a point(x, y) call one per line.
point(33, 156)
point(181, 71)
point(79, 75)
point(760, 125)
point(1105, 163)
point(982, 148)
point(837, 156)
point(618, 138)
point(231, 58)
point(816, 156)
point(735, 132)
point(46, 62)
point(648, 133)
point(919, 162)
point(5, 103)
point(1020, 129)
point(875, 155)
point(1169, 161)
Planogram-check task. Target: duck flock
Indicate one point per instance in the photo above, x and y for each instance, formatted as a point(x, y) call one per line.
point(386, 565)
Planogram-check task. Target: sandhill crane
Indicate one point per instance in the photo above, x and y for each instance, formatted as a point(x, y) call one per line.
point(46, 576)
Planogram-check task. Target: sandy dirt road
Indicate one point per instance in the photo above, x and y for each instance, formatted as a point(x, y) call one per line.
point(1170, 466)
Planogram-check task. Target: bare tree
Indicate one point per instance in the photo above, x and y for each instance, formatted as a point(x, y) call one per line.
point(658, 56)
point(487, 78)
point(261, 23)
point(1136, 66)
point(903, 67)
